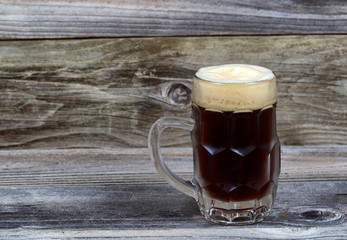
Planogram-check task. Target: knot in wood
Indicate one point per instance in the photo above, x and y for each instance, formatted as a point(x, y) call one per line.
point(179, 94)
point(318, 215)
point(310, 216)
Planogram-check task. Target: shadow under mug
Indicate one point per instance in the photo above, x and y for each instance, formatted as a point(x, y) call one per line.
point(236, 152)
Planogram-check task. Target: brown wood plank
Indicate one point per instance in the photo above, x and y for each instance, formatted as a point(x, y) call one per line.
point(82, 167)
point(100, 18)
point(108, 92)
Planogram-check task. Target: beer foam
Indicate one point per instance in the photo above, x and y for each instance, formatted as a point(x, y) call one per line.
point(234, 87)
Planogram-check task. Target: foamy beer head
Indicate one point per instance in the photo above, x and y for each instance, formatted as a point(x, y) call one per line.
point(234, 87)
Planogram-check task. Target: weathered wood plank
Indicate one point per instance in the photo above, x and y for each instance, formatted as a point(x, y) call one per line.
point(162, 207)
point(108, 92)
point(302, 211)
point(71, 198)
point(82, 167)
point(101, 18)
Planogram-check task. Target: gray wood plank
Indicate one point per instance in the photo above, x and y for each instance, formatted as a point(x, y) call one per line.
point(115, 193)
point(101, 18)
point(302, 210)
point(82, 167)
point(108, 92)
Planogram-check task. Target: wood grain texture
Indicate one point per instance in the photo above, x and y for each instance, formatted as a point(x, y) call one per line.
point(102, 167)
point(302, 211)
point(70, 194)
point(101, 18)
point(108, 92)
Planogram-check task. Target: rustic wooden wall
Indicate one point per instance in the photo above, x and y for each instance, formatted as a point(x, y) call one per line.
point(107, 92)
point(104, 18)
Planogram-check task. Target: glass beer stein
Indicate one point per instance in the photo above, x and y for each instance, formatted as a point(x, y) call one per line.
point(236, 151)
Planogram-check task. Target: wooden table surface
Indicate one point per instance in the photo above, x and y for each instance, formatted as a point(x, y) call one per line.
point(116, 193)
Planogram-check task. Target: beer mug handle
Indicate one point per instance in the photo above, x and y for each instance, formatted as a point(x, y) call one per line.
point(154, 147)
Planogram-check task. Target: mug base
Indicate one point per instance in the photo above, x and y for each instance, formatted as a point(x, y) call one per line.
point(235, 216)
point(233, 212)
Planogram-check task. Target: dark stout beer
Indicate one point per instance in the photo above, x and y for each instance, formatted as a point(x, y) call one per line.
point(235, 144)
point(236, 155)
